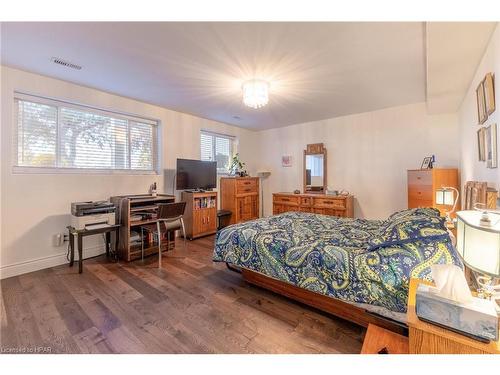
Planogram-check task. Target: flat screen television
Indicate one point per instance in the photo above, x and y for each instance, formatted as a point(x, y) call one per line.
point(196, 174)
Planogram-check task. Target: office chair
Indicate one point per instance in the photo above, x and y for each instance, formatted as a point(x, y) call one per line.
point(170, 217)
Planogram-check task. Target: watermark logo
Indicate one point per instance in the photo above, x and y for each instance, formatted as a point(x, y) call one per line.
point(26, 350)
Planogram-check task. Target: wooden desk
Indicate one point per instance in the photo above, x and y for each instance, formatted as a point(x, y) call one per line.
point(129, 206)
point(426, 338)
point(79, 234)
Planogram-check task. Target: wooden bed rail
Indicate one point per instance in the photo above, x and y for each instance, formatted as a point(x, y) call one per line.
point(329, 305)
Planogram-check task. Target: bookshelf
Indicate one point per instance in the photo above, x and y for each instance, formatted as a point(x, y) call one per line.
point(200, 217)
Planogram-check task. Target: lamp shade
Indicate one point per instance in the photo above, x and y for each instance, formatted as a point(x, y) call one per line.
point(444, 197)
point(479, 245)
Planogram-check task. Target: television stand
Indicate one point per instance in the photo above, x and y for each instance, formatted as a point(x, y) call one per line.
point(200, 216)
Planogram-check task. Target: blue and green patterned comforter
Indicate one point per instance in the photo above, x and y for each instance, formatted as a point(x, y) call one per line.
point(356, 260)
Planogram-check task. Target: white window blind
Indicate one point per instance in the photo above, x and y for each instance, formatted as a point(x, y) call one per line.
point(219, 148)
point(60, 135)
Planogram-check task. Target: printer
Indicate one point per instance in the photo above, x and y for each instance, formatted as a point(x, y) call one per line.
point(88, 214)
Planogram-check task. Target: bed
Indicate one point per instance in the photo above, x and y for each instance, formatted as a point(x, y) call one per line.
point(351, 266)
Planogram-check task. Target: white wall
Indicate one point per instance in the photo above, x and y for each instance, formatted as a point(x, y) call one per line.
point(368, 154)
point(34, 207)
point(472, 169)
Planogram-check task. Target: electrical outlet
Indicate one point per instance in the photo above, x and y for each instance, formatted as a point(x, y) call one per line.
point(58, 239)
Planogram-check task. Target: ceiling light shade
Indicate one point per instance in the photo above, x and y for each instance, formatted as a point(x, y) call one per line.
point(255, 93)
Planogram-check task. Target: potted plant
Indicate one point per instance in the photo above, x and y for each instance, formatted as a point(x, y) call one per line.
point(236, 166)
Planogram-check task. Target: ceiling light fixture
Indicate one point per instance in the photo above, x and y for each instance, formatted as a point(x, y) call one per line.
point(255, 93)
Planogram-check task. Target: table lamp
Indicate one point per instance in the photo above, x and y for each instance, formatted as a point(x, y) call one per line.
point(444, 196)
point(478, 243)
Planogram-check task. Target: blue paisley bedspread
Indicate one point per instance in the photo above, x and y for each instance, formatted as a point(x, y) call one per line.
point(355, 260)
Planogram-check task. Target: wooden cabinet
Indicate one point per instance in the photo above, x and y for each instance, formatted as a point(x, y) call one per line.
point(200, 216)
point(340, 205)
point(240, 195)
point(427, 338)
point(423, 183)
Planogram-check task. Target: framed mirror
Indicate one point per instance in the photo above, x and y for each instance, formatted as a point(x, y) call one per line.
point(315, 168)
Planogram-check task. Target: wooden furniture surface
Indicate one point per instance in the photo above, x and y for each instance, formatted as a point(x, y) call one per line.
point(315, 149)
point(79, 234)
point(478, 192)
point(334, 205)
point(381, 341)
point(200, 216)
point(191, 306)
point(426, 338)
point(423, 183)
point(330, 305)
point(240, 195)
point(127, 206)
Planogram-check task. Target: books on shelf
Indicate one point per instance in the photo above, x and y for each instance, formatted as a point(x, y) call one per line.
point(204, 202)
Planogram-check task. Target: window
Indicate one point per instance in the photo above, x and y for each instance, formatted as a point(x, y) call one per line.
point(55, 134)
point(219, 148)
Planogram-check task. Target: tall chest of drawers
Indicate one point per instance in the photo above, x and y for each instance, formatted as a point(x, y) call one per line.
point(240, 195)
point(423, 184)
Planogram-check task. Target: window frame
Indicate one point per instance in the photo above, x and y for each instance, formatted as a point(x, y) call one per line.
point(233, 145)
point(34, 98)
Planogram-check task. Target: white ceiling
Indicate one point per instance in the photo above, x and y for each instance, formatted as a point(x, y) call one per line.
point(316, 70)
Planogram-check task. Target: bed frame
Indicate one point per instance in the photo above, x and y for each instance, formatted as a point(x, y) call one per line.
point(329, 305)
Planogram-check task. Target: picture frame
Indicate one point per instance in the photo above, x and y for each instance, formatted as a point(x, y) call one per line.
point(426, 162)
point(491, 142)
point(286, 161)
point(481, 104)
point(481, 144)
point(489, 93)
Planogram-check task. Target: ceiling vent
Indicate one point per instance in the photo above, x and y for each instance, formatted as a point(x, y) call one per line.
point(67, 64)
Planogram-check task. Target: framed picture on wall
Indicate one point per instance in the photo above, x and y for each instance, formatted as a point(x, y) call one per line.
point(481, 104)
point(481, 144)
point(286, 161)
point(491, 142)
point(489, 93)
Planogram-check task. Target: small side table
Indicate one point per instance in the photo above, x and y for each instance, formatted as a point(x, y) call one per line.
point(79, 234)
point(426, 338)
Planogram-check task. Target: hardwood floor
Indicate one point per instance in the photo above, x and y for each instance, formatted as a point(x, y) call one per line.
point(191, 305)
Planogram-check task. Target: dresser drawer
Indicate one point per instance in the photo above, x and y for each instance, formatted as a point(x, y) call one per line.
point(286, 199)
point(305, 201)
point(420, 177)
point(246, 186)
point(423, 192)
point(329, 203)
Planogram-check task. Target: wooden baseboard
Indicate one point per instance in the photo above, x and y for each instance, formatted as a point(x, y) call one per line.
point(330, 305)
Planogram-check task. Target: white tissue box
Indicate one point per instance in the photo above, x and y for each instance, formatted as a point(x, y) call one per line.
point(477, 318)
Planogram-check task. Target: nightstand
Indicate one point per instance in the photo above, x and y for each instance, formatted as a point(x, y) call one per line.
point(426, 338)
